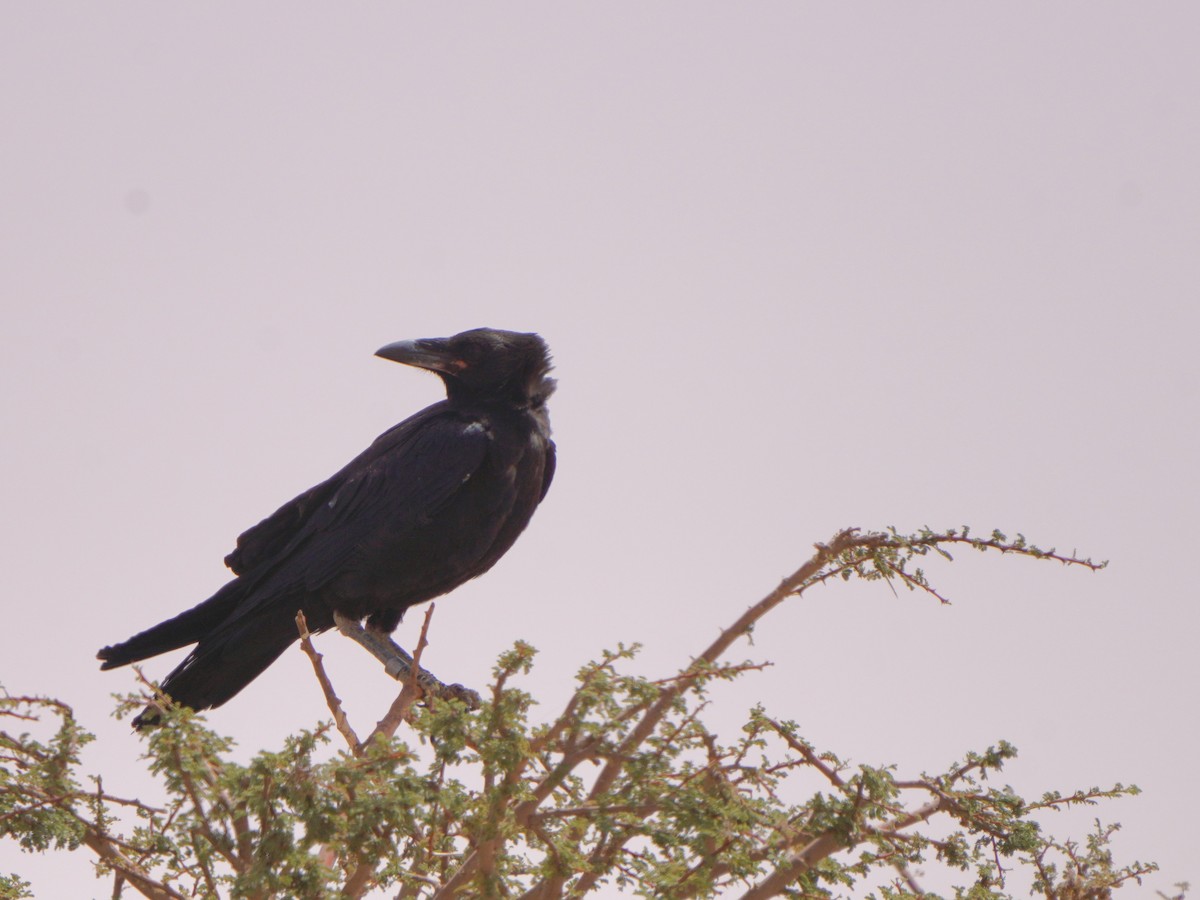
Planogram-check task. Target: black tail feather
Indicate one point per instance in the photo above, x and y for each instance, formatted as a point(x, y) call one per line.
point(227, 660)
point(186, 628)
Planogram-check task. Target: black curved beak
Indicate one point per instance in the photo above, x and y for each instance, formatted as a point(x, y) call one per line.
point(428, 353)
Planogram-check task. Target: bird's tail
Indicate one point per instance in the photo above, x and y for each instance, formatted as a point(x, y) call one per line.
point(186, 628)
point(229, 658)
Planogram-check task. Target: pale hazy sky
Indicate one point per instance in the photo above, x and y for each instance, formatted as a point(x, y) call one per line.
point(801, 265)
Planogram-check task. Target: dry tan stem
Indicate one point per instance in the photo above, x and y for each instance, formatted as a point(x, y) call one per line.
point(805, 751)
point(1004, 547)
point(331, 698)
point(411, 692)
point(914, 584)
point(133, 874)
point(826, 845)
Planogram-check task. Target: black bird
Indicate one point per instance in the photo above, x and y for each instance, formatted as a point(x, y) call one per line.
point(433, 502)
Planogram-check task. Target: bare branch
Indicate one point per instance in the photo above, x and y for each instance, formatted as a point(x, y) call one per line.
point(823, 846)
point(132, 873)
point(331, 697)
point(807, 752)
point(412, 691)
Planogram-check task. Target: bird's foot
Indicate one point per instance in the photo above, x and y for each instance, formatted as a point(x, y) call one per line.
point(398, 663)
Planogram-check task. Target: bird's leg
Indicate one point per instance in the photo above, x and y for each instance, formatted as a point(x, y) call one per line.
point(398, 663)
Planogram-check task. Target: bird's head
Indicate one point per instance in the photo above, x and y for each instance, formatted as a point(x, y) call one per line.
point(482, 364)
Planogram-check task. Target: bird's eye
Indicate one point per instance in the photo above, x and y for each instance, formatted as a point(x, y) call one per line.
point(467, 356)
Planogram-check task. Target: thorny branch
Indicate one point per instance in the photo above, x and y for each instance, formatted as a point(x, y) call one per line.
point(332, 700)
point(401, 708)
point(626, 782)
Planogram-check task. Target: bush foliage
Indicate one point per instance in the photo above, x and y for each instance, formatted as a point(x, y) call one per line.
point(626, 788)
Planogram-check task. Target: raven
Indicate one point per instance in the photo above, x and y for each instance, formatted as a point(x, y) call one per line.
point(435, 501)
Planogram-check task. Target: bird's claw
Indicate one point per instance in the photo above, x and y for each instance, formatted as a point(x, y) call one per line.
point(470, 699)
point(398, 663)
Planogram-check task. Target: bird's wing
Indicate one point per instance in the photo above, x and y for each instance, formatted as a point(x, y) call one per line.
point(263, 541)
point(399, 494)
point(402, 479)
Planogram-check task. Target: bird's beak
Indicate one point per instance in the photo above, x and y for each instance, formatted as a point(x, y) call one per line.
point(430, 353)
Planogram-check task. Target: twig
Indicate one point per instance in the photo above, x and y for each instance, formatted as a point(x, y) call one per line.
point(331, 698)
point(806, 751)
point(205, 826)
point(715, 672)
point(826, 845)
point(413, 690)
point(118, 862)
point(913, 583)
point(1004, 546)
point(640, 810)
